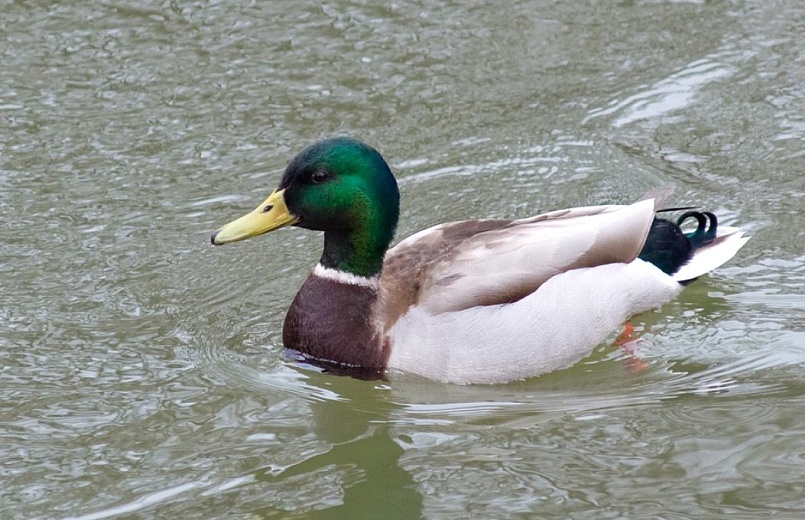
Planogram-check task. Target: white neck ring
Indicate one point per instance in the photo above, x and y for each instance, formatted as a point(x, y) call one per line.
point(344, 277)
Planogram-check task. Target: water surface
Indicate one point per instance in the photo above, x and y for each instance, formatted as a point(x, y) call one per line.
point(142, 373)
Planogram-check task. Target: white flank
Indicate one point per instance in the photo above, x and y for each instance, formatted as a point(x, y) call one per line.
point(347, 278)
point(552, 328)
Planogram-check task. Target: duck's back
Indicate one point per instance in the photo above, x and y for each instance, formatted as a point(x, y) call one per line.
point(461, 265)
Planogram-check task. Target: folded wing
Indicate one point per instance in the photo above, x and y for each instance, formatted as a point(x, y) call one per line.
point(467, 264)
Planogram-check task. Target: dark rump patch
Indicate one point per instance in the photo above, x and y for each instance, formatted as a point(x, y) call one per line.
point(666, 246)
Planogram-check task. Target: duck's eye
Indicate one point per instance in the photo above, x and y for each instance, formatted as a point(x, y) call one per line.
point(319, 176)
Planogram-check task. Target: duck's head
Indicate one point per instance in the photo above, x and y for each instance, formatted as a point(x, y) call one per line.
point(340, 186)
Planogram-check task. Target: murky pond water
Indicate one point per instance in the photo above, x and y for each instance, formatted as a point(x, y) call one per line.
point(142, 373)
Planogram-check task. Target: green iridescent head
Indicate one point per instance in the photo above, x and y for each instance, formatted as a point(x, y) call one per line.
point(340, 186)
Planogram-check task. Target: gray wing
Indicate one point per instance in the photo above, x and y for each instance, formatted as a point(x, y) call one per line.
point(465, 264)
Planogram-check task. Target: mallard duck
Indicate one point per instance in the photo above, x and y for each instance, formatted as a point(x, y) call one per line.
point(475, 301)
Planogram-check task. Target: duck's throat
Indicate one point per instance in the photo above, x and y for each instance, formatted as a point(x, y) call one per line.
point(357, 253)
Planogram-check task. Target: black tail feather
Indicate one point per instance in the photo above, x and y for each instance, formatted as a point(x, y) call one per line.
point(680, 208)
point(703, 235)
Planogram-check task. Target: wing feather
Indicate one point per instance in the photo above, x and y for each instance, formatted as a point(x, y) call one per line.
point(465, 264)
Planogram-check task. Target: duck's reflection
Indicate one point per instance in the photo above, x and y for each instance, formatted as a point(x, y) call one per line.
point(363, 446)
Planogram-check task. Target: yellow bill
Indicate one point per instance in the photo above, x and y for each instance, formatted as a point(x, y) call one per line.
point(268, 216)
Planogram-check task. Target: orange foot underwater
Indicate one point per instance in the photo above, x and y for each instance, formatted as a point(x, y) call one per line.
point(629, 341)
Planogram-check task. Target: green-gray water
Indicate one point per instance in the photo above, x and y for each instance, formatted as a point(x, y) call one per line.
point(142, 373)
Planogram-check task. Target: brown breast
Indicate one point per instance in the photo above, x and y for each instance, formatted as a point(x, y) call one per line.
point(336, 323)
